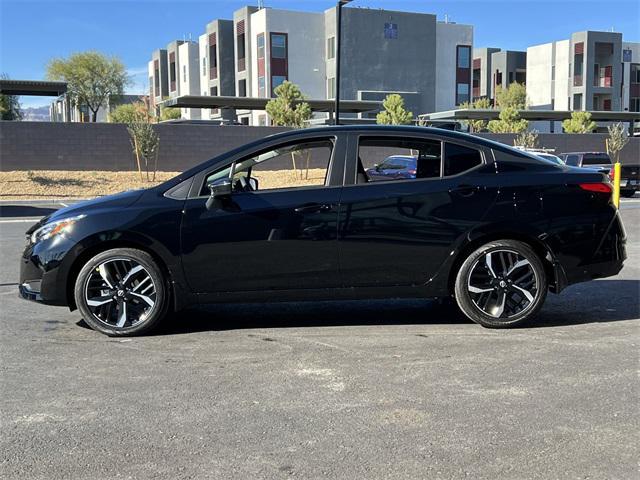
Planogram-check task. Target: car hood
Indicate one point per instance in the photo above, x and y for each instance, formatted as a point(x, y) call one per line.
point(123, 199)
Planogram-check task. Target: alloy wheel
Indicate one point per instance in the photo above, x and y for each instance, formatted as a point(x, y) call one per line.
point(503, 283)
point(120, 293)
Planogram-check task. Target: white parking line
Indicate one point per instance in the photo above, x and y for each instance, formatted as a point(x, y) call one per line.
point(20, 220)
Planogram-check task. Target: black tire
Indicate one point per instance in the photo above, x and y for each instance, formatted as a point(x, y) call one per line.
point(627, 193)
point(499, 284)
point(147, 319)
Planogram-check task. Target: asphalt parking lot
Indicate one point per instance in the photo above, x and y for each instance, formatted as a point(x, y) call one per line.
point(382, 389)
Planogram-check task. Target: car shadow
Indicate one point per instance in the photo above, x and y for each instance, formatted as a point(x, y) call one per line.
point(601, 301)
point(25, 211)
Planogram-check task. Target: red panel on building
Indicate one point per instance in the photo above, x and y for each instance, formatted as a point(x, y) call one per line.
point(579, 48)
point(477, 63)
point(240, 27)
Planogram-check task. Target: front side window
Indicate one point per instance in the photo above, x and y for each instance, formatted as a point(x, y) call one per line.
point(295, 165)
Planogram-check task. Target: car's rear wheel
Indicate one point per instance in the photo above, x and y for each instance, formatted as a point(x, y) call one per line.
point(121, 292)
point(501, 284)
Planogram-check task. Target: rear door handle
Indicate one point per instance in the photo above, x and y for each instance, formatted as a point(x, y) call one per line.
point(464, 190)
point(313, 208)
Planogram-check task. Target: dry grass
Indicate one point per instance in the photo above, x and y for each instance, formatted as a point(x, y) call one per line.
point(71, 184)
point(47, 184)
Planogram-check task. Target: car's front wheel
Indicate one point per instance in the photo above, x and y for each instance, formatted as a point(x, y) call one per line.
point(501, 284)
point(121, 292)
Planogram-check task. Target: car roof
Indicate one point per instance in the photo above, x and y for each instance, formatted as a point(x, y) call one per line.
point(407, 129)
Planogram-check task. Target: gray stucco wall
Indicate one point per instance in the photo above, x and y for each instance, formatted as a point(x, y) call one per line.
point(105, 146)
point(370, 62)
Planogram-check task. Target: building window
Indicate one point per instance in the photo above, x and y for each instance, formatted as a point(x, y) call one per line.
point(462, 93)
point(262, 86)
point(184, 73)
point(240, 45)
point(172, 71)
point(510, 78)
point(204, 66)
point(213, 56)
point(151, 86)
point(214, 93)
point(553, 72)
point(635, 73)
point(276, 80)
point(331, 87)
point(278, 45)
point(391, 30)
point(262, 120)
point(331, 48)
point(634, 104)
point(464, 56)
point(260, 43)
point(242, 88)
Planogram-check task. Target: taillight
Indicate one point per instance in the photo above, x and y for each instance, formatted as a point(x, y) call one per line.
point(612, 174)
point(596, 187)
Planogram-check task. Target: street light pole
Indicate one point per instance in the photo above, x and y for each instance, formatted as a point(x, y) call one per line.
point(336, 110)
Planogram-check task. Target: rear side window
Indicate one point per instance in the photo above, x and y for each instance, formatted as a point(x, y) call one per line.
point(393, 158)
point(572, 160)
point(596, 159)
point(458, 159)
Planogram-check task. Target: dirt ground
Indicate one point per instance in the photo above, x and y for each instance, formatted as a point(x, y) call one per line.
point(46, 184)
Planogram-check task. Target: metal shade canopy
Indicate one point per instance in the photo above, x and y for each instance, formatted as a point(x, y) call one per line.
point(549, 115)
point(259, 103)
point(32, 88)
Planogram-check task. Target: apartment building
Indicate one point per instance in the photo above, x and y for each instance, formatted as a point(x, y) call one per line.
point(158, 78)
point(494, 68)
point(216, 66)
point(174, 71)
point(589, 71)
point(426, 61)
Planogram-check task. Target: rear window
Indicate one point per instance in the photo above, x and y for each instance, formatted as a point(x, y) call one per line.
point(596, 159)
point(572, 160)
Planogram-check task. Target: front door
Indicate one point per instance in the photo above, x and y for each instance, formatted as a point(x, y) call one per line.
point(278, 228)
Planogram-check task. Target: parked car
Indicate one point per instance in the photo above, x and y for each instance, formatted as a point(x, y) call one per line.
point(396, 166)
point(550, 157)
point(491, 226)
point(629, 179)
point(598, 160)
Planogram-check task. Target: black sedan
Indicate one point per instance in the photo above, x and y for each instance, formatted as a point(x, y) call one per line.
point(294, 216)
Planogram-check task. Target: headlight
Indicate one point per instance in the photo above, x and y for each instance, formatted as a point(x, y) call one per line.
point(52, 229)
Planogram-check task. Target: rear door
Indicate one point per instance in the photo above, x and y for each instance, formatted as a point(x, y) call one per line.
point(400, 231)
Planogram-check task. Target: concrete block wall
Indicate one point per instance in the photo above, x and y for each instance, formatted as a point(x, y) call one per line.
point(105, 146)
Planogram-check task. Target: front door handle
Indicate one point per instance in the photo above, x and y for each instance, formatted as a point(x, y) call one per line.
point(313, 208)
point(463, 190)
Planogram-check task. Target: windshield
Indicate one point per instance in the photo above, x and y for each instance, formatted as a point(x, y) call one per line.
point(596, 159)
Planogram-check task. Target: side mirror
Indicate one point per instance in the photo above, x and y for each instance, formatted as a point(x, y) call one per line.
point(219, 190)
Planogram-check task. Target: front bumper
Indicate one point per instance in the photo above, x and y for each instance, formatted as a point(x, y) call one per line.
point(42, 272)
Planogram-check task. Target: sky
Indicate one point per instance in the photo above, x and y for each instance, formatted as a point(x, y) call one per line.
point(34, 31)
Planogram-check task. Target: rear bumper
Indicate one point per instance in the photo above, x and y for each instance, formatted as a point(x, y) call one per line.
point(607, 260)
